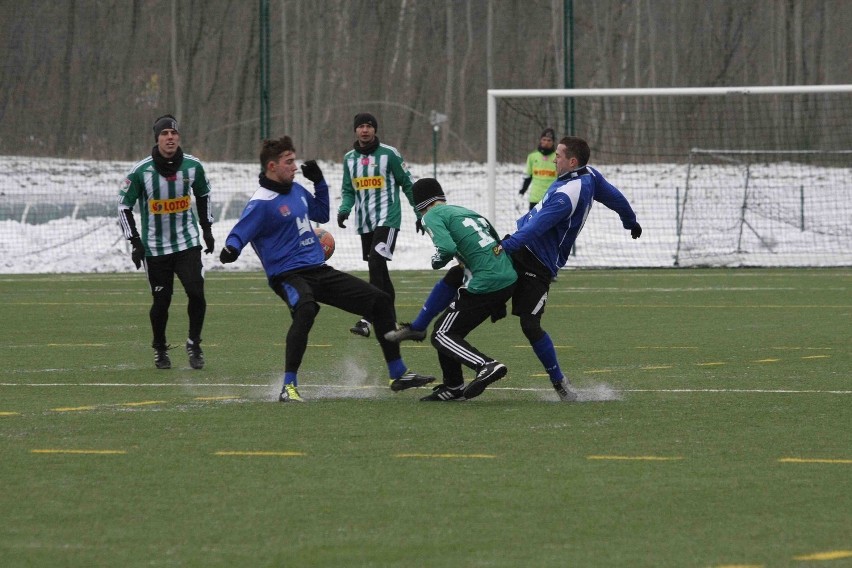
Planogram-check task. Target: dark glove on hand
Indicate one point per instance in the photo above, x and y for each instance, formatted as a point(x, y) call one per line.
point(229, 254)
point(208, 239)
point(636, 231)
point(312, 171)
point(525, 186)
point(341, 217)
point(418, 227)
point(138, 252)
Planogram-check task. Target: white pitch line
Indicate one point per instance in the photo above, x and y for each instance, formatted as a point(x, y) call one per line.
point(756, 391)
point(379, 387)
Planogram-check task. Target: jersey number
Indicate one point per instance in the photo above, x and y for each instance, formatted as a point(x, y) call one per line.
point(479, 225)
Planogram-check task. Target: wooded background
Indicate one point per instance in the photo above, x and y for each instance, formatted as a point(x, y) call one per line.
point(86, 78)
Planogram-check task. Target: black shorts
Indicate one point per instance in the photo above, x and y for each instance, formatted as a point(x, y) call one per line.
point(532, 287)
point(186, 264)
point(469, 310)
point(326, 285)
point(382, 241)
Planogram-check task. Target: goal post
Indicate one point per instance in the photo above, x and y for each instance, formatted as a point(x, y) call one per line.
point(659, 145)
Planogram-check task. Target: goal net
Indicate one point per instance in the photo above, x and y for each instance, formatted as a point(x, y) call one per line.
point(746, 176)
point(766, 208)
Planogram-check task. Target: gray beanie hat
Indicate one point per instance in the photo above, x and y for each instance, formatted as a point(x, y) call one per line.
point(165, 121)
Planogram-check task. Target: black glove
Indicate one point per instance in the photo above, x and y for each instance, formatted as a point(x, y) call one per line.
point(341, 217)
point(636, 231)
point(312, 171)
point(138, 252)
point(229, 254)
point(525, 186)
point(418, 227)
point(208, 238)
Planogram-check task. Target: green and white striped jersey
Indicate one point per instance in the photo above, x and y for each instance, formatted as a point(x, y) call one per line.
point(371, 185)
point(458, 232)
point(169, 224)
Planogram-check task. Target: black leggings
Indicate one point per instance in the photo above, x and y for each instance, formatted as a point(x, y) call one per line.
point(186, 265)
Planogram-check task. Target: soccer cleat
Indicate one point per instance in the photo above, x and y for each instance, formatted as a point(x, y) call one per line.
point(161, 357)
point(564, 390)
point(290, 394)
point(404, 332)
point(196, 356)
point(361, 328)
point(489, 373)
point(443, 393)
point(410, 380)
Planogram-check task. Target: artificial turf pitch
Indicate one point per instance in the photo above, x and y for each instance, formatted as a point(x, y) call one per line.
point(713, 430)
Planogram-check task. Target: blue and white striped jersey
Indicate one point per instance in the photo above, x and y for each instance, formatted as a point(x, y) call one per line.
point(551, 227)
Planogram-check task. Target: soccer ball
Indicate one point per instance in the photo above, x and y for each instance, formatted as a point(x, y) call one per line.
point(326, 241)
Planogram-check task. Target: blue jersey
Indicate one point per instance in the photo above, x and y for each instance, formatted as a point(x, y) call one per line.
point(551, 227)
point(278, 227)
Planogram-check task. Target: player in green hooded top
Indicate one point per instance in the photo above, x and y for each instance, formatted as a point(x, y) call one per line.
point(490, 277)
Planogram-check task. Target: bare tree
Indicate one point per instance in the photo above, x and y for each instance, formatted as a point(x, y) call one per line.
point(86, 78)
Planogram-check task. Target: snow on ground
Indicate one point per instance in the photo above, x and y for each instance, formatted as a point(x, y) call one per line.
point(59, 216)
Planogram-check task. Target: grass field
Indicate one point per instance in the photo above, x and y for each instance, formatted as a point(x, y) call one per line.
point(715, 430)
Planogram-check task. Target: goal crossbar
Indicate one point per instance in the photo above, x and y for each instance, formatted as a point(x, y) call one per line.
point(647, 138)
point(494, 94)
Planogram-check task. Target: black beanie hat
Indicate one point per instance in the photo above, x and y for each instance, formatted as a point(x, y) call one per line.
point(548, 133)
point(365, 118)
point(165, 121)
point(427, 191)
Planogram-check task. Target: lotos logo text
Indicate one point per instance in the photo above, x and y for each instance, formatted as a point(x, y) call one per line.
point(166, 206)
point(369, 182)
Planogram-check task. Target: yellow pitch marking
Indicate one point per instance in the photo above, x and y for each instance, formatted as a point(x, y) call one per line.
point(76, 344)
point(830, 555)
point(766, 361)
point(73, 408)
point(597, 371)
point(656, 367)
point(447, 456)
point(10, 413)
point(143, 403)
point(814, 460)
point(260, 453)
point(81, 452)
point(711, 364)
point(740, 566)
point(635, 458)
point(527, 346)
point(663, 347)
point(227, 397)
point(816, 356)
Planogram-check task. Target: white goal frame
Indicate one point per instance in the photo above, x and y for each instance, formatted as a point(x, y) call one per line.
point(494, 94)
